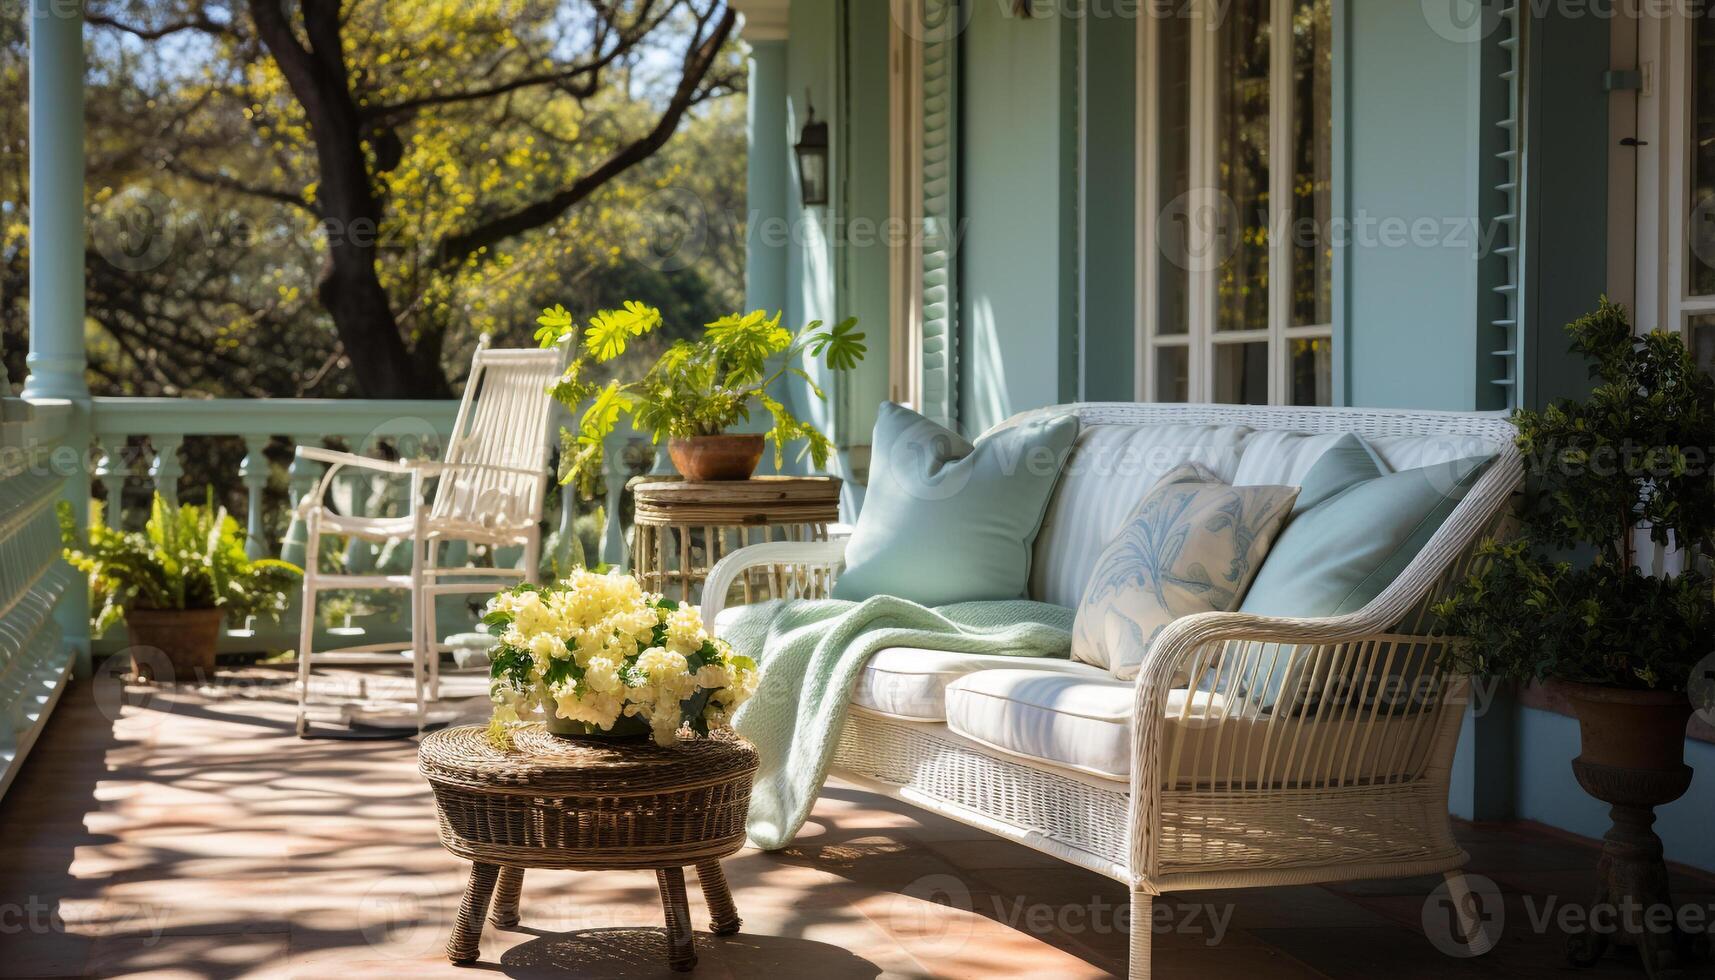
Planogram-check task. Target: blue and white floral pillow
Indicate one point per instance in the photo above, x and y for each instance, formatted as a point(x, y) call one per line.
point(1191, 546)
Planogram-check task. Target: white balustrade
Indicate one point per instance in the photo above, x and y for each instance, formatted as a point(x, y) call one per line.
point(182, 435)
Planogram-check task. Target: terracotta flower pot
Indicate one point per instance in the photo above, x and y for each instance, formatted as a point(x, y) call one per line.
point(728, 456)
point(186, 638)
point(1619, 729)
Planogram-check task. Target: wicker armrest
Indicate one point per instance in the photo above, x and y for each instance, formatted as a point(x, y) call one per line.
point(1301, 703)
point(823, 556)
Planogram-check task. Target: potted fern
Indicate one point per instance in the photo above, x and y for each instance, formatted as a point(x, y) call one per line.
point(697, 391)
point(1566, 604)
point(174, 581)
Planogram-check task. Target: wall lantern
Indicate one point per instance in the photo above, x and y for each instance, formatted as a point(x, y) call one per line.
point(812, 152)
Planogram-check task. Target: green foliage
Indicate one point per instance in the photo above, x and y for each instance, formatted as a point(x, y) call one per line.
point(1635, 454)
point(1528, 618)
point(696, 387)
point(186, 557)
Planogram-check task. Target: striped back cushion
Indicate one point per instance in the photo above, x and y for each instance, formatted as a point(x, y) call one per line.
point(1111, 470)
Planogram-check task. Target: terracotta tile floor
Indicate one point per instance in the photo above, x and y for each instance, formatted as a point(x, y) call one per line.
point(194, 836)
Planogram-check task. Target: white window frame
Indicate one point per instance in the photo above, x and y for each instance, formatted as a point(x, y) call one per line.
point(905, 205)
point(1664, 175)
point(1201, 338)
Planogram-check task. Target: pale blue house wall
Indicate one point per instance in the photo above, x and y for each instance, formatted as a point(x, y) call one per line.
point(1412, 156)
point(1017, 308)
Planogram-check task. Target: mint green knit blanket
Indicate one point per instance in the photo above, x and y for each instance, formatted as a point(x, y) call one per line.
point(811, 652)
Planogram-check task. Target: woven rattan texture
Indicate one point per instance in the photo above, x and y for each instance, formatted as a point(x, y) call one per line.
point(551, 802)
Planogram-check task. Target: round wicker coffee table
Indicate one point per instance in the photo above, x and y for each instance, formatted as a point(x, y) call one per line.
point(588, 804)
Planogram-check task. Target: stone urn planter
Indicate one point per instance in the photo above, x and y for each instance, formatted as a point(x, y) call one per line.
point(187, 639)
point(705, 459)
point(1632, 757)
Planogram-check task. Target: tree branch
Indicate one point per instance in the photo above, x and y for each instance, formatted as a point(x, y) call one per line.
point(699, 58)
point(237, 186)
point(199, 23)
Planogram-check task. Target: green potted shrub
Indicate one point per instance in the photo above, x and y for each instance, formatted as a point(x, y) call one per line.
point(1564, 603)
point(696, 391)
point(173, 582)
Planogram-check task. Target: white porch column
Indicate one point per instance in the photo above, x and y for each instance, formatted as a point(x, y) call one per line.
point(56, 357)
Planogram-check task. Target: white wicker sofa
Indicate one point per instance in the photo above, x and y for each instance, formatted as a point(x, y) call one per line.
point(1158, 788)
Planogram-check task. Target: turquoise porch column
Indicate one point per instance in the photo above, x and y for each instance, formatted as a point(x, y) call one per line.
point(767, 180)
point(56, 359)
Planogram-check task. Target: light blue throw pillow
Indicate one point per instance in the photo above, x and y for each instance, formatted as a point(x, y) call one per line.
point(947, 521)
point(1191, 546)
point(1338, 555)
point(1345, 464)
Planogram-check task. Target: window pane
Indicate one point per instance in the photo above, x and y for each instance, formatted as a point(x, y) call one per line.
point(1173, 315)
point(1312, 371)
point(1172, 374)
point(1241, 373)
point(1700, 276)
point(1700, 337)
point(1312, 163)
point(1241, 162)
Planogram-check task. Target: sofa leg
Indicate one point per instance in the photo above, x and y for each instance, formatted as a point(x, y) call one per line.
point(1142, 922)
point(1471, 921)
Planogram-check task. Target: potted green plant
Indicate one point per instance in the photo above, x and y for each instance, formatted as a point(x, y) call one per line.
point(696, 391)
point(1564, 603)
point(173, 582)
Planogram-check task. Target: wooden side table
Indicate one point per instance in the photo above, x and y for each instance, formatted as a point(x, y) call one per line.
point(589, 804)
point(682, 528)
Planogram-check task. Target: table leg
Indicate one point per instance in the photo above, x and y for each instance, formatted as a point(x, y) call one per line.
point(506, 895)
point(462, 948)
point(681, 954)
point(723, 913)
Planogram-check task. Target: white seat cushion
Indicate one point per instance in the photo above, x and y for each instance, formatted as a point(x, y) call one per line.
point(1078, 720)
point(908, 682)
point(1083, 722)
point(911, 683)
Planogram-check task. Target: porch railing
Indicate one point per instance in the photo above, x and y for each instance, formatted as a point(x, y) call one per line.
point(34, 661)
point(143, 445)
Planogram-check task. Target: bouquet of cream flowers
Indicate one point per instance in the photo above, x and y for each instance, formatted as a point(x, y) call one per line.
point(595, 653)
